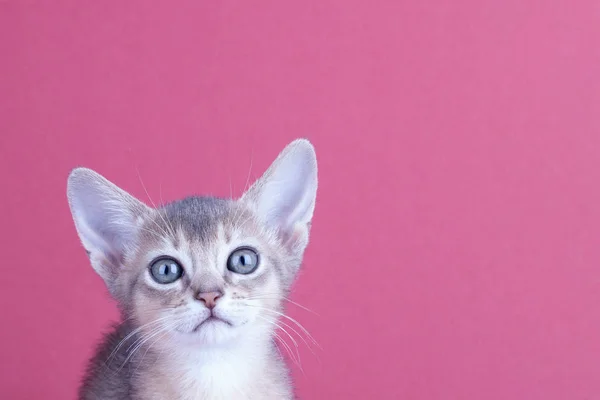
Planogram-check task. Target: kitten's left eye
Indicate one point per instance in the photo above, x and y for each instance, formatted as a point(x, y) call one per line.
point(243, 261)
point(166, 270)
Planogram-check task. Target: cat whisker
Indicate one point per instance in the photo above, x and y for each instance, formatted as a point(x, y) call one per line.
point(299, 335)
point(294, 331)
point(276, 296)
point(164, 332)
point(240, 211)
point(143, 336)
point(306, 332)
point(170, 229)
point(239, 225)
point(274, 323)
point(288, 349)
point(162, 202)
point(249, 170)
point(133, 333)
point(157, 235)
point(143, 340)
point(238, 214)
point(282, 325)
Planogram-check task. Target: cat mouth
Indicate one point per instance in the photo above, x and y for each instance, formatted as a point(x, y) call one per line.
point(211, 320)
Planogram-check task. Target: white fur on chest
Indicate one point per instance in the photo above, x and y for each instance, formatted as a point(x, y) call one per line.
point(217, 374)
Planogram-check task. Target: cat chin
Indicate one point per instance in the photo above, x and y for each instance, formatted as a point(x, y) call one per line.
point(210, 322)
point(210, 332)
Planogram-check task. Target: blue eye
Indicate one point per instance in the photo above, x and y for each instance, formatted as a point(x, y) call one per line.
point(243, 260)
point(165, 270)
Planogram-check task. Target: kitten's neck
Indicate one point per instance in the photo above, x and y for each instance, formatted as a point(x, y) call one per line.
point(244, 350)
point(224, 371)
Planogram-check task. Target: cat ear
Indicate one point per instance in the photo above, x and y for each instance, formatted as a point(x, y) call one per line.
point(284, 197)
point(106, 218)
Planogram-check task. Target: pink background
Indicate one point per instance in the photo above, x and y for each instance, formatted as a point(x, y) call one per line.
point(455, 250)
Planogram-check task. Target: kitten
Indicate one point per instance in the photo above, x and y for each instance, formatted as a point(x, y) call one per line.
point(200, 283)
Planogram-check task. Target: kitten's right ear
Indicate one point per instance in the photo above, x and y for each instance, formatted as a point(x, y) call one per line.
point(284, 197)
point(106, 218)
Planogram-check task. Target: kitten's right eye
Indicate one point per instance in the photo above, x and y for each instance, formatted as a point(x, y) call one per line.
point(165, 270)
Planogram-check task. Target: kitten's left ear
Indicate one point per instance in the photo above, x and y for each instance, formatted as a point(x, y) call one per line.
point(284, 197)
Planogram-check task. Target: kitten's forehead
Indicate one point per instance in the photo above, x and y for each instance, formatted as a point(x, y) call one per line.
point(198, 219)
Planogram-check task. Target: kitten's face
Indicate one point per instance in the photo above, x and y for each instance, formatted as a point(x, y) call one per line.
point(199, 253)
point(200, 269)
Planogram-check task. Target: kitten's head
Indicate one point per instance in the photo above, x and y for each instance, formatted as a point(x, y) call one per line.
point(201, 269)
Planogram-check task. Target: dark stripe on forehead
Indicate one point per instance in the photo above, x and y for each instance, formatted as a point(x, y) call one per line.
point(198, 218)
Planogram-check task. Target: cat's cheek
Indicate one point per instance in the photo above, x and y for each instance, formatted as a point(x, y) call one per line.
point(144, 310)
point(269, 293)
point(149, 304)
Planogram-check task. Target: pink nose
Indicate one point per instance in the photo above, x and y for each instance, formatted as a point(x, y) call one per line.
point(209, 299)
